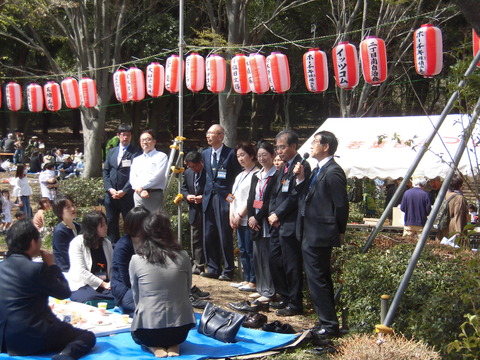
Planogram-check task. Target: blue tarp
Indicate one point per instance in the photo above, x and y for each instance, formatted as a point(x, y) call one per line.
point(197, 346)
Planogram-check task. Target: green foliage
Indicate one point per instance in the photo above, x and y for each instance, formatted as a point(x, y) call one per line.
point(84, 192)
point(428, 310)
point(469, 343)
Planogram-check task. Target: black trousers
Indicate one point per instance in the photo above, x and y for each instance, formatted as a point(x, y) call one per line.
point(113, 208)
point(196, 237)
point(286, 269)
point(319, 277)
point(162, 337)
point(218, 237)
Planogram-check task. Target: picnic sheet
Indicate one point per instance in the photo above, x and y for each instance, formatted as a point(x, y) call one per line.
point(197, 346)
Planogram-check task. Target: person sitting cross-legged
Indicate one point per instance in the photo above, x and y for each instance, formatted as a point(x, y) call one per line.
point(27, 324)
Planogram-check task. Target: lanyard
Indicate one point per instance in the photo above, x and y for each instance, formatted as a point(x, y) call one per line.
point(238, 184)
point(261, 189)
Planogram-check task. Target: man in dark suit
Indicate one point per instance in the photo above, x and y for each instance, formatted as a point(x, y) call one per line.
point(27, 324)
point(221, 168)
point(323, 215)
point(285, 249)
point(192, 190)
point(116, 175)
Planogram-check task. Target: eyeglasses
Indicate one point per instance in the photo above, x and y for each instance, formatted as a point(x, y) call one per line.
point(281, 147)
point(214, 133)
point(146, 140)
point(316, 141)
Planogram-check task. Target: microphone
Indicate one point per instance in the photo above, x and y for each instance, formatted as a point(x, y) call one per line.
point(305, 157)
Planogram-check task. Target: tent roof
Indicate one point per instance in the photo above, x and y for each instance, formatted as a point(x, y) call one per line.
point(361, 155)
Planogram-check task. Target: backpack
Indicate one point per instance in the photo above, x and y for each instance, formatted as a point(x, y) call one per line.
point(443, 216)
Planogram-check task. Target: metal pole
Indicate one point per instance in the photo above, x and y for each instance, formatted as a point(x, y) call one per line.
point(384, 307)
point(180, 111)
point(421, 152)
point(436, 206)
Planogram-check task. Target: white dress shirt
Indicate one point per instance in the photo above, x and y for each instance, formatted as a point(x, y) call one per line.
point(149, 171)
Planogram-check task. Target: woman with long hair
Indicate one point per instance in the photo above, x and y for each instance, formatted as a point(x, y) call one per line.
point(161, 278)
point(122, 254)
point(22, 190)
point(91, 260)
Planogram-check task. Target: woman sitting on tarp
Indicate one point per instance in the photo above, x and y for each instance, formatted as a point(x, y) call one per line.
point(90, 260)
point(161, 277)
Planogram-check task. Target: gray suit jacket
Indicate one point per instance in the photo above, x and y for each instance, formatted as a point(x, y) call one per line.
point(161, 293)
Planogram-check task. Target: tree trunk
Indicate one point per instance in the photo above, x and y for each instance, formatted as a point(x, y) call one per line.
point(93, 123)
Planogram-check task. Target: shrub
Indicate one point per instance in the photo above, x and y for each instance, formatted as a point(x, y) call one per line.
point(84, 192)
point(427, 310)
point(367, 347)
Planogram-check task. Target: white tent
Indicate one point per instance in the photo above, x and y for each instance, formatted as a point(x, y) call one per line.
point(361, 153)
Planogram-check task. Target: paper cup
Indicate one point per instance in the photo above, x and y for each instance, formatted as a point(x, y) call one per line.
point(102, 306)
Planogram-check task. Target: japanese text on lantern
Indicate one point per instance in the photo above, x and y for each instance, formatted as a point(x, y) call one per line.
point(342, 66)
point(235, 76)
point(373, 50)
point(420, 51)
point(310, 70)
point(150, 72)
point(49, 97)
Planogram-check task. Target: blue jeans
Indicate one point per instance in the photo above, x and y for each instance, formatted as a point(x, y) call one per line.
point(26, 208)
point(245, 244)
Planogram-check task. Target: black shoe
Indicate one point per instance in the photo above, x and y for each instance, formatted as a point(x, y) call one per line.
point(279, 304)
point(320, 351)
point(272, 326)
point(255, 321)
point(288, 311)
point(199, 294)
point(197, 303)
point(245, 306)
point(225, 277)
point(284, 329)
point(209, 275)
point(323, 337)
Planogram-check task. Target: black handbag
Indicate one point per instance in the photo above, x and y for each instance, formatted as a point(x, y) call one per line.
point(220, 324)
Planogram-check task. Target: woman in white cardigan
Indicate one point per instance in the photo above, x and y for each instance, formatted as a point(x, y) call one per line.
point(90, 260)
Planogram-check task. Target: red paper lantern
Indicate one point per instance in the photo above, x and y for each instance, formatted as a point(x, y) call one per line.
point(238, 69)
point(71, 93)
point(53, 96)
point(278, 72)
point(315, 70)
point(155, 79)
point(35, 97)
point(195, 72)
point(120, 85)
point(257, 73)
point(173, 74)
point(216, 73)
point(373, 56)
point(135, 84)
point(345, 65)
point(88, 92)
point(13, 93)
point(476, 44)
point(428, 50)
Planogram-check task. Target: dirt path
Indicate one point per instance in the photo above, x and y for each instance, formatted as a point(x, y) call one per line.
point(223, 293)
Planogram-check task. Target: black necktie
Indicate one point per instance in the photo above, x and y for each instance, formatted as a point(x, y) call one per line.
point(196, 182)
point(313, 177)
point(214, 163)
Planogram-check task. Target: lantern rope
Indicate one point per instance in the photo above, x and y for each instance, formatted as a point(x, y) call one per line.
point(257, 48)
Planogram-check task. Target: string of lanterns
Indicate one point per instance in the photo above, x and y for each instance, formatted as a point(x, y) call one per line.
point(253, 73)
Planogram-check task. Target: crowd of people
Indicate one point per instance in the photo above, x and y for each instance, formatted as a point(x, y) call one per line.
point(287, 218)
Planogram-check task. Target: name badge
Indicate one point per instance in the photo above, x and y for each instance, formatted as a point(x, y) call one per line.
point(285, 185)
point(126, 163)
point(222, 174)
point(230, 198)
point(257, 204)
